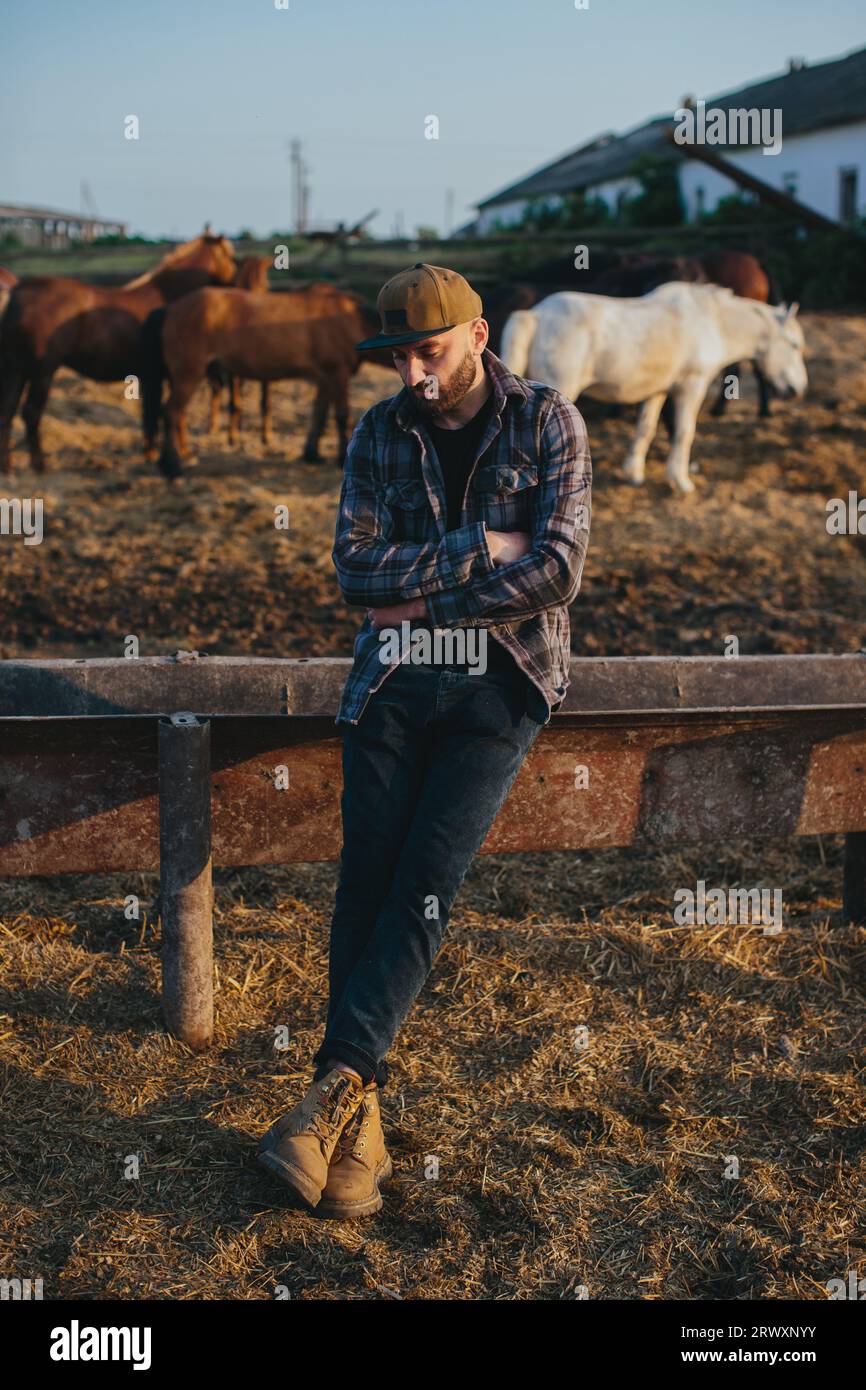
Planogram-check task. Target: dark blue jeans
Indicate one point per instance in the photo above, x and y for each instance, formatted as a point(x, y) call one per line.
point(425, 772)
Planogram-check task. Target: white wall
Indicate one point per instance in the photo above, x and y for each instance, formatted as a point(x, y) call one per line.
point(506, 213)
point(815, 159)
point(512, 212)
point(613, 190)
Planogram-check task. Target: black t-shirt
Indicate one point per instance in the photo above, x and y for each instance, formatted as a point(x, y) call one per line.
point(456, 450)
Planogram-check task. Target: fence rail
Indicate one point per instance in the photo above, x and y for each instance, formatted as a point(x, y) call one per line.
point(174, 763)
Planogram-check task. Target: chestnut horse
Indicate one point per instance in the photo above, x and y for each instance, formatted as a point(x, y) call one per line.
point(252, 275)
point(744, 274)
point(53, 321)
point(7, 281)
point(308, 333)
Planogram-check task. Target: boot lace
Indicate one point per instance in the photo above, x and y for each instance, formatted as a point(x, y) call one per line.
point(332, 1111)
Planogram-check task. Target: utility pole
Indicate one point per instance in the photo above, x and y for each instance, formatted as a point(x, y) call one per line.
point(297, 185)
point(305, 196)
point(449, 210)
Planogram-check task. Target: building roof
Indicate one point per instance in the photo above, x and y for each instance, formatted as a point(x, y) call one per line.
point(20, 210)
point(811, 97)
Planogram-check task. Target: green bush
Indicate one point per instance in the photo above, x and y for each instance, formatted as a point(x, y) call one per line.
point(659, 203)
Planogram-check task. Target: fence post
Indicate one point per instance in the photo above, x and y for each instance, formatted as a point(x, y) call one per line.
point(186, 887)
point(854, 877)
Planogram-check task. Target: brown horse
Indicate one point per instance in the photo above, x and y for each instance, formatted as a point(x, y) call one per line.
point(744, 274)
point(53, 321)
point(308, 333)
point(252, 275)
point(7, 282)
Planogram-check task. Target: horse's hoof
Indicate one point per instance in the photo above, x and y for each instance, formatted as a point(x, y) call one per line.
point(632, 480)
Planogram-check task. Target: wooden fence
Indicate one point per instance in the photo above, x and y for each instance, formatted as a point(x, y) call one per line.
point(172, 763)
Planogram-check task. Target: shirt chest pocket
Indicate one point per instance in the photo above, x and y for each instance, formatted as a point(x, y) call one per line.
point(409, 509)
point(504, 493)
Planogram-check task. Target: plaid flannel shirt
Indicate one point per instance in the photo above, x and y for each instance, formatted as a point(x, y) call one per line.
point(532, 473)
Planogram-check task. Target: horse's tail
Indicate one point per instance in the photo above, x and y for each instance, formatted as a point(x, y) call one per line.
point(517, 339)
point(152, 375)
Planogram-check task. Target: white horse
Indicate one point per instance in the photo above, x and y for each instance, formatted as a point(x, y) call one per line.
point(673, 341)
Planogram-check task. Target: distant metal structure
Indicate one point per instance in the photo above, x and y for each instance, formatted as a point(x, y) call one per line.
point(341, 237)
point(128, 765)
point(38, 226)
point(300, 187)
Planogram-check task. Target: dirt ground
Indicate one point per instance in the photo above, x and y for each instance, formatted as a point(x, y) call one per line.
point(558, 1170)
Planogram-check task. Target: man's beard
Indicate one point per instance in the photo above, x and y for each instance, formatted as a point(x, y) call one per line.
point(451, 393)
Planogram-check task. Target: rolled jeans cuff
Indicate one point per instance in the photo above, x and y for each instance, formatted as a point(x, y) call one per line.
point(362, 1062)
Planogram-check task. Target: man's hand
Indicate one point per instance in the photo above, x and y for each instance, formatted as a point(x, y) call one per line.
point(397, 613)
point(505, 546)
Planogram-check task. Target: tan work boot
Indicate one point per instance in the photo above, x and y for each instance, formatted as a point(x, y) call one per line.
point(360, 1162)
point(298, 1147)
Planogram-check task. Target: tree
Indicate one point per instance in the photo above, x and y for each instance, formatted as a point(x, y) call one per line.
point(659, 202)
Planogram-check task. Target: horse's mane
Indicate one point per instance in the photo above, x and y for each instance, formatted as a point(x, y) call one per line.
point(177, 257)
point(708, 287)
point(726, 296)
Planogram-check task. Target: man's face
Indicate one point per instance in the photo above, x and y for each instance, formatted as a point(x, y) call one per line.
point(440, 371)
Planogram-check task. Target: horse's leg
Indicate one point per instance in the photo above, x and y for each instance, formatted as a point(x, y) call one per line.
point(13, 383)
point(647, 421)
point(266, 412)
point(174, 443)
point(721, 402)
point(340, 393)
point(216, 391)
point(763, 391)
point(688, 396)
point(34, 405)
point(317, 424)
point(183, 439)
point(234, 410)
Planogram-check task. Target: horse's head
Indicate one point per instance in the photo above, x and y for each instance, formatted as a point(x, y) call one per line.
point(781, 359)
point(252, 273)
point(216, 255)
point(210, 256)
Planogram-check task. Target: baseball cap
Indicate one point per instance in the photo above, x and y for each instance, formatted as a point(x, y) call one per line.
point(417, 303)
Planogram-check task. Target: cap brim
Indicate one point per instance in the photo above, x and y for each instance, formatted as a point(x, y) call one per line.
point(386, 340)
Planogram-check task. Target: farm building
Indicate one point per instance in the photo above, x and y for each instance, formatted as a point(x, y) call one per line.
point(37, 226)
point(820, 162)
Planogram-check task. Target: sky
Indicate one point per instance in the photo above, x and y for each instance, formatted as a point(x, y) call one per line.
point(220, 87)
